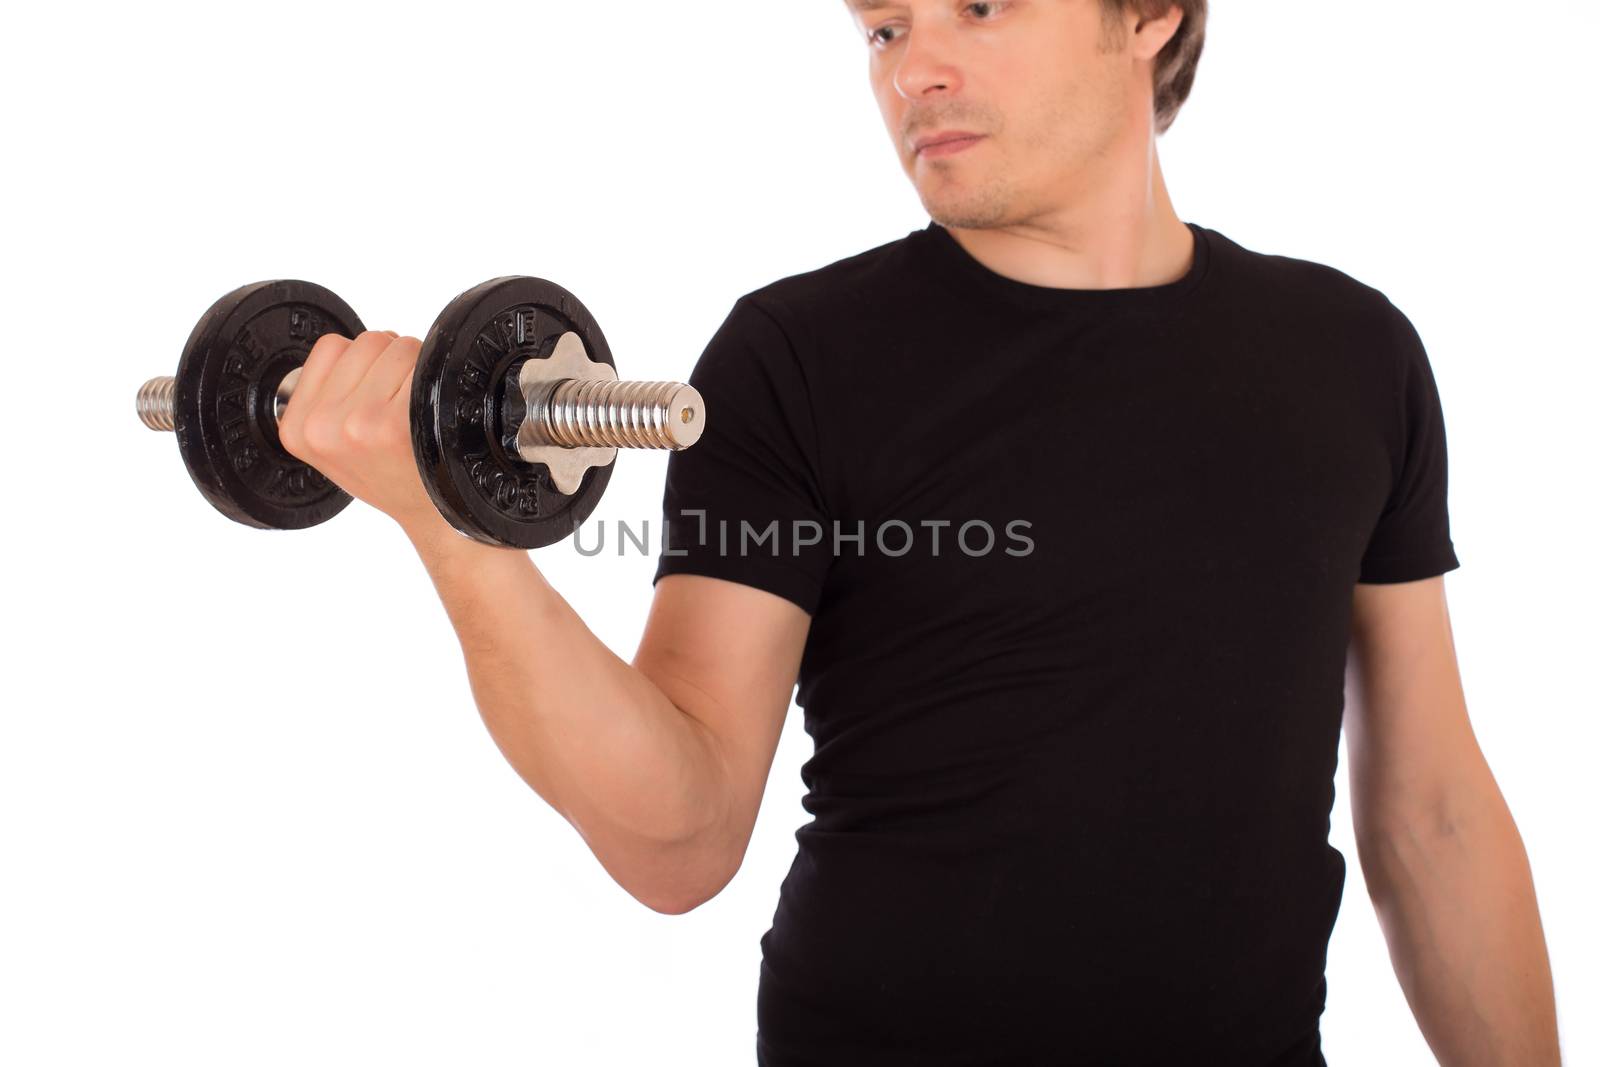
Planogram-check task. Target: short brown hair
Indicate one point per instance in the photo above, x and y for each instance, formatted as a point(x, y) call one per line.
point(1175, 64)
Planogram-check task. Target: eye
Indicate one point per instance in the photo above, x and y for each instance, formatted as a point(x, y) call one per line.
point(985, 9)
point(876, 38)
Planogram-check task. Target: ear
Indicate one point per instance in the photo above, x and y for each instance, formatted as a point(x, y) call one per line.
point(1150, 35)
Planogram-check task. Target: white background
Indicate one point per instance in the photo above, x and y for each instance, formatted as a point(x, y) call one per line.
point(248, 811)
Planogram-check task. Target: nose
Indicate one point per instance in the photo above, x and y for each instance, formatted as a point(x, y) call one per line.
point(927, 65)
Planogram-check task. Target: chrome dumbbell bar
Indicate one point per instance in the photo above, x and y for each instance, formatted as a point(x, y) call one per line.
point(515, 408)
point(571, 404)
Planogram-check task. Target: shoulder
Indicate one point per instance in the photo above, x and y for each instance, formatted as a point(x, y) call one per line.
point(805, 304)
point(1317, 306)
point(1301, 285)
point(769, 340)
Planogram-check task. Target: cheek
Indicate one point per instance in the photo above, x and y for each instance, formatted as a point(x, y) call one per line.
point(1053, 121)
point(1074, 117)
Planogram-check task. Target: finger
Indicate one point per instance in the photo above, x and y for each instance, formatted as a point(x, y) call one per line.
point(324, 354)
point(352, 365)
point(387, 372)
point(402, 394)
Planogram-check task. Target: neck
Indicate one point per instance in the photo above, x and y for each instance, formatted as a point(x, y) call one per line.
point(1119, 232)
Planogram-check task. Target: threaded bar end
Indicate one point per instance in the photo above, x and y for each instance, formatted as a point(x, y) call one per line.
point(624, 414)
point(156, 405)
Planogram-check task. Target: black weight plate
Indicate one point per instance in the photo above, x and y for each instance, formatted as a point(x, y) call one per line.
point(223, 405)
point(464, 440)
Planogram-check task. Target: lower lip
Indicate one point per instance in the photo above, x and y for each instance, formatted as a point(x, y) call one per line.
point(948, 148)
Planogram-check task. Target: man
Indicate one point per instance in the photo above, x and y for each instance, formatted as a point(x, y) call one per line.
point(1069, 518)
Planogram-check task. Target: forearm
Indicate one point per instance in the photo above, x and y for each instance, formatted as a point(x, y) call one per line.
point(1454, 895)
point(634, 774)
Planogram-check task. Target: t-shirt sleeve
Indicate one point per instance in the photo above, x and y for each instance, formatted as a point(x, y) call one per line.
point(1412, 537)
point(745, 502)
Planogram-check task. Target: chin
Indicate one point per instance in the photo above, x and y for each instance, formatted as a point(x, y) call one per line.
point(970, 210)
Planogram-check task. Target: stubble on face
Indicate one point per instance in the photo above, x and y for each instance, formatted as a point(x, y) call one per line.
point(1016, 174)
point(973, 190)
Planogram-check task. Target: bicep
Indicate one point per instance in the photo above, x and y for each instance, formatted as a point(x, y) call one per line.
point(728, 655)
point(1411, 745)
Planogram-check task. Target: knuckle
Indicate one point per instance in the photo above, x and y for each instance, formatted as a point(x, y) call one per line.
point(355, 431)
point(366, 429)
point(320, 435)
point(328, 346)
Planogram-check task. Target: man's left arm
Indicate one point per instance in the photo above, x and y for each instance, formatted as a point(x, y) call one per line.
point(1443, 861)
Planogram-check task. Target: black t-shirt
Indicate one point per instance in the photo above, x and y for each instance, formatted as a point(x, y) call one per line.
point(1080, 567)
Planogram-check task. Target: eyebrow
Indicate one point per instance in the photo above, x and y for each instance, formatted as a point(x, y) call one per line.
point(868, 5)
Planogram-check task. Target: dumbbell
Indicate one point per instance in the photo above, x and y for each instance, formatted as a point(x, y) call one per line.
point(516, 409)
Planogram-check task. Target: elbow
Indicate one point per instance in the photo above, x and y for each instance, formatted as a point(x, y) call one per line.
point(1382, 858)
point(695, 879)
point(1396, 823)
point(672, 905)
point(1409, 849)
point(682, 899)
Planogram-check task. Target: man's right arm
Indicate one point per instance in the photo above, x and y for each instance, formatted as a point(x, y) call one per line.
point(660, 765)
